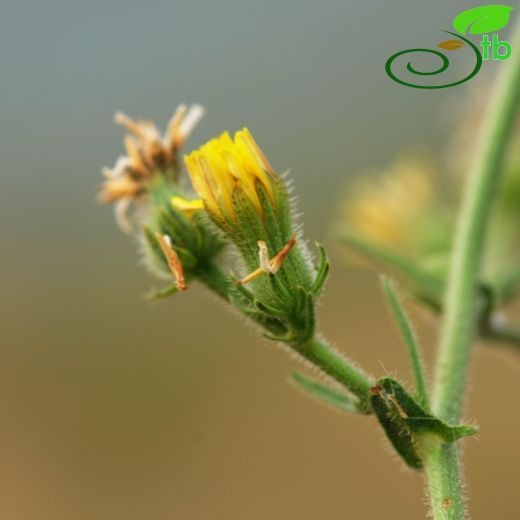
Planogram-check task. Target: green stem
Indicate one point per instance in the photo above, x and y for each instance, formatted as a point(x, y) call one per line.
point(461, 297)
point(443, 478)
point(316, 351)
point(337, 366)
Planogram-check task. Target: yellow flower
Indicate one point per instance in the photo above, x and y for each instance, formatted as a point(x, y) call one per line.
point(224, 165)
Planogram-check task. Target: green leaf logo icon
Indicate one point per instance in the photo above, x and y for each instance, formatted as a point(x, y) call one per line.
point(483, 19)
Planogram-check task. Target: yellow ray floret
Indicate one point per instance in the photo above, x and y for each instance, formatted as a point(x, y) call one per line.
point(222, 165)
point(187, 206)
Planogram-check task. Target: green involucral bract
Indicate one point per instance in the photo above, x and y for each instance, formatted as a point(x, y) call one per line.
point(191, 237)
point(282, 302)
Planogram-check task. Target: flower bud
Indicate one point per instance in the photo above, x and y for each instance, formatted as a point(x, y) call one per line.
point(250, 203)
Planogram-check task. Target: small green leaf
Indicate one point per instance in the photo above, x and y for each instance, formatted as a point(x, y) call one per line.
point(412, 344)
point(241, 291)
point(288, 338)
point(269, 309)
point(403, 420)
point(398, 433)
point(325, 394)
point(323, 271)
point(249, 309)
point(483, 19)
point(305, 319)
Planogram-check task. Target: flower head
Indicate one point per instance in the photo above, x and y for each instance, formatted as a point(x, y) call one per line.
point(173, 243)
point(249, 202)
point(147, 153)
point(225, 166)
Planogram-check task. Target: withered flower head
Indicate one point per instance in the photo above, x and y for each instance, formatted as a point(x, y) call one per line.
point(147, 153)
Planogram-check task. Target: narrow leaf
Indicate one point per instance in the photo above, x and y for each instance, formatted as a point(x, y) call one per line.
point(397, 432)
point(410, 339)
point(325, 394)
point(269, 309)
point(323, 271)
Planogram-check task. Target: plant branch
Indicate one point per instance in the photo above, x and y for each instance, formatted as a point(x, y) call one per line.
point(316, 351)
point(461, 298)
point(337, 366)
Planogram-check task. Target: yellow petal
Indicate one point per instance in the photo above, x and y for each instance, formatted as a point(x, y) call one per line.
point(188, 206)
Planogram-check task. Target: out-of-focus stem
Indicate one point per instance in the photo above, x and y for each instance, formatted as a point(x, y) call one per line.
point(461, 298)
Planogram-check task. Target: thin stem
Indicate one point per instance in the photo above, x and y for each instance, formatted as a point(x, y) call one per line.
point(317, 351)
point(337, 366)
point(461, 299)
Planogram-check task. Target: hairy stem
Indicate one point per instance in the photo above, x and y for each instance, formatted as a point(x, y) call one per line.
point(316, 351)
point(461, 298)
point(443, 480)
point(461, 294)
point(334, 364)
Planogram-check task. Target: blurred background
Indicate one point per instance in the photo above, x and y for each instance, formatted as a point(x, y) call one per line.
point(112, 408)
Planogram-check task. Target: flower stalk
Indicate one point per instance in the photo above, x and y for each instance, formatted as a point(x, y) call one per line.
point(319, 353)
point(249, 203)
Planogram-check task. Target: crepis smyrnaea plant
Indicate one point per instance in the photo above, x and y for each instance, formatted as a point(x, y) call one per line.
point(236, 200)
